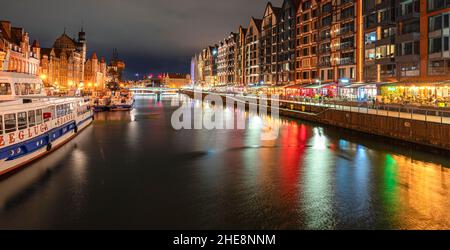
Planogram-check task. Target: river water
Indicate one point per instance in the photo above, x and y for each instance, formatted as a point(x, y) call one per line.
point(132, 170)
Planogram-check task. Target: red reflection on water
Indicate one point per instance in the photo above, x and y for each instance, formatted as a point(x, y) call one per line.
point(292, 150)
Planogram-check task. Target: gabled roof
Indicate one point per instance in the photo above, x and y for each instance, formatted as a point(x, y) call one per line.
point(64, 41)
point(243, 30)
point(255, 23)
point(16, 35)
point(36, 44)
point(275, 10)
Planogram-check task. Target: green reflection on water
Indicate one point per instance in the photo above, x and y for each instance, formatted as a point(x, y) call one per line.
point(390, 185)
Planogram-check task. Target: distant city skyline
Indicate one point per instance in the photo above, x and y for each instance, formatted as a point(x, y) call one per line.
point(147, 34)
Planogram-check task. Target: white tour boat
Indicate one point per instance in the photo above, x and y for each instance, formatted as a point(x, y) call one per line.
point(32, 124)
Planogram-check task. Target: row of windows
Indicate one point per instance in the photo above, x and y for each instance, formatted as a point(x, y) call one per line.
point(438, 22)
point(21, 88)
point(18, 121)
point(22, 120)
point(438, 4)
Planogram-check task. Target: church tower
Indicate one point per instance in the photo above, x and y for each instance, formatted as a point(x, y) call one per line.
point(82, 47)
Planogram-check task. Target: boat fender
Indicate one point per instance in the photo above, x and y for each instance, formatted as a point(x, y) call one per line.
point(49, 146)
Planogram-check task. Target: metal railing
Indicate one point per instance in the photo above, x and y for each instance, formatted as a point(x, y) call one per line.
point(431, 114)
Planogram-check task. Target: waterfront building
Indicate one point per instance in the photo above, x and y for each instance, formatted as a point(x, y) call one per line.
point(225, 60)
point(357, 49)
point(337, 50)
point(307, 30)
point(176, 81)
point(95, 73)
point(62, 66)
point(16, 52)
point(210, 65)
point(253, 52)
point(115, 68)
point(286, 42)
point(201, 68)
point(269, 44)
point(410, 46)
point(239, 61)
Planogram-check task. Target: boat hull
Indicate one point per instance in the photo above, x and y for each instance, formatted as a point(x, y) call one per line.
point(100, 108)
point(8, 165)
point(122, 107)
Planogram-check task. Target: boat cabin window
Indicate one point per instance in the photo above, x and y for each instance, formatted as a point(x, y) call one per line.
point(22, 120)
point(10, 123)
point(64, 109)
point(48, 113)
point(5, 89)
point(31, 118)
point(1, 125)
point(27, 88)
point(39, 117)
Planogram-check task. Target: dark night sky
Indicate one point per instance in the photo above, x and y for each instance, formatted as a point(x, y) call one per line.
point(152, 36)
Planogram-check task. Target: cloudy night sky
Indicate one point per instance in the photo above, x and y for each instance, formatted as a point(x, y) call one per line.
point(152, 36)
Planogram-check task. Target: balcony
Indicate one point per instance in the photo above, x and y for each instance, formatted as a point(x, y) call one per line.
point(407, 58)
point(385, 41)
point(385, 60)
point(346, 31)
point(408, 15)
point(325, 50)
point(346, 61)
point(407, 37)
point(346, 46)
point(324, 64)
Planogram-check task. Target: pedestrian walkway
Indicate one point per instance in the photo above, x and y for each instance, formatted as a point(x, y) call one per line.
point(434, 116)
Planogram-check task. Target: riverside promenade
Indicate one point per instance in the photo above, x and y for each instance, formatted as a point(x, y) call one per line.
point(429, 127)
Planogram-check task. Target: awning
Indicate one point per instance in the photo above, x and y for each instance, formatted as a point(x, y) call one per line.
point(296, 86)
point(418, 84)
point(319, 86)
point(356, 86)
point(379, 83)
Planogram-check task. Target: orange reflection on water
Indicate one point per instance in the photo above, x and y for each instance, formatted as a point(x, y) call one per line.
point(422, 193)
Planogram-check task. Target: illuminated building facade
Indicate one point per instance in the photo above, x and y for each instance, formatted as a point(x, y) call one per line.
point(16, 52)
point(115, 68)
point(225, 60)
point(286, 34)
point(363, 47)
point(269, 45)
point(210, 65)
point(239, 60)
point(176, 81)
point(95, 73)
point(253, 52)
point(62, 66)
point(307, 42)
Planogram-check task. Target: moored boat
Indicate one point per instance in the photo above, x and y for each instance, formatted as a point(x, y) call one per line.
point(122, 101)
point(100, 101)
point(32, 124)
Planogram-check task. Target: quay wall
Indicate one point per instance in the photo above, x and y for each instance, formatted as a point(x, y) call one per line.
point(420, 132)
